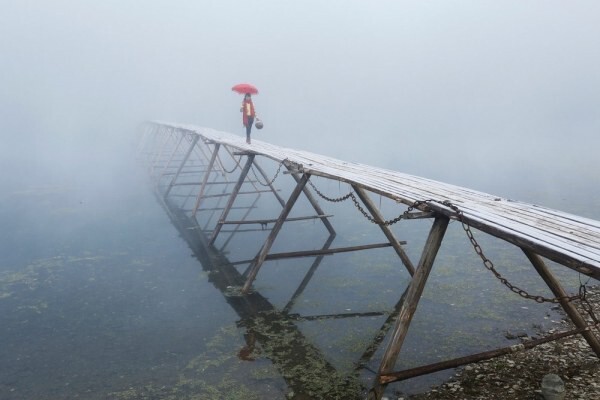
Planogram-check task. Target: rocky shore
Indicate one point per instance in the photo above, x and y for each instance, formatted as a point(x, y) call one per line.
point(518, 375)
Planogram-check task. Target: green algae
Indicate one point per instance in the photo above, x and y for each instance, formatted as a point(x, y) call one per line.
point(279, 353)
point(32, 276)
point(215, 374)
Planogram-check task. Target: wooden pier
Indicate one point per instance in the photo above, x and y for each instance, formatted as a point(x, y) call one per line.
point(210, 170)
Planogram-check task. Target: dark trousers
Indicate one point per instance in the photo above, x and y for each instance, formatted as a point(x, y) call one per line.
point(249, 126)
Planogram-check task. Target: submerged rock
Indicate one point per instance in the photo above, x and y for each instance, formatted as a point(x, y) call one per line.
point(553, 387)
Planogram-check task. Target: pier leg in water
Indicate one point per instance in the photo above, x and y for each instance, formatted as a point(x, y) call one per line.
point(560, 293)
point(409, 305)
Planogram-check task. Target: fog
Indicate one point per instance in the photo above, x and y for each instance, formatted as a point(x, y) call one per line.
point(98, 293)
point(471, 92)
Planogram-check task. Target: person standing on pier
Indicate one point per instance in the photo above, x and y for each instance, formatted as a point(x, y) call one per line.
point(249, 114)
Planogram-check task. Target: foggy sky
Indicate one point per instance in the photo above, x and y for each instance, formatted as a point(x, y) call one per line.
point(437, 88)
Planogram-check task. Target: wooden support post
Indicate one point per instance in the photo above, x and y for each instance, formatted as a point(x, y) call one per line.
point(364, 197)
point(170, 137)
point(185, 158)
point(262, 255)
point(164, 170)
point(313, 202)
point(264, 175)
point(211, 163)
point(232, 197)
point(560, 293)
point(409, 305)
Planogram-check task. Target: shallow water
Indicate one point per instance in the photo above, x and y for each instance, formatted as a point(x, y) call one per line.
point(101, 297)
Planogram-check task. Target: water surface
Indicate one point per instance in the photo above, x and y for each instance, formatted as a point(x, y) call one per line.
point(102, 297)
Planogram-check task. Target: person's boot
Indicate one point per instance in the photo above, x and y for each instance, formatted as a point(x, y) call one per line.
point(248, 139)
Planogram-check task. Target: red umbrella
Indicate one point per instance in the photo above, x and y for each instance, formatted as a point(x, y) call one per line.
point(243, 88)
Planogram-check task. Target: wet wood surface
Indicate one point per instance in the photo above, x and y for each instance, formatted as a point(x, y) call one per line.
point(568, 239)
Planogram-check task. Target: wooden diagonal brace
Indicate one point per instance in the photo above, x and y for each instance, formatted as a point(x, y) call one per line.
point(364, 197)
point(185, 158)
point(262, 255)
point(167, 165)
point(270, 184)
point(560, 293)
point(211, 163)
point(232, 197)
point(313, 202)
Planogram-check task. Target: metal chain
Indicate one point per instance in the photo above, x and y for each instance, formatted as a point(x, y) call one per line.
point(486, 261)
point(587, 306)
point(373, 220)
point(330, 199)
point(490, 266)
point(274, 177)
point(236, 165)
point(351, 195)
point(584, 302)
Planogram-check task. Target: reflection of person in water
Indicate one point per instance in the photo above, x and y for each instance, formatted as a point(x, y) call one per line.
point(249, 114)
point(245, 352)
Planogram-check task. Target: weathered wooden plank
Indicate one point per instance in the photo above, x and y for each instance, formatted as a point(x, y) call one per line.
point(566, 238)
point(540, 236)
point(585, 265)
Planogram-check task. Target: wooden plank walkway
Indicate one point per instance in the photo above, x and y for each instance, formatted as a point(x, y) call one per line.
point(568, 239)
point(538, 231)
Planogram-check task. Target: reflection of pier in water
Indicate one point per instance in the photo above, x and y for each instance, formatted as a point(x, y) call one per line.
point(301, 364)
point(210, 183)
